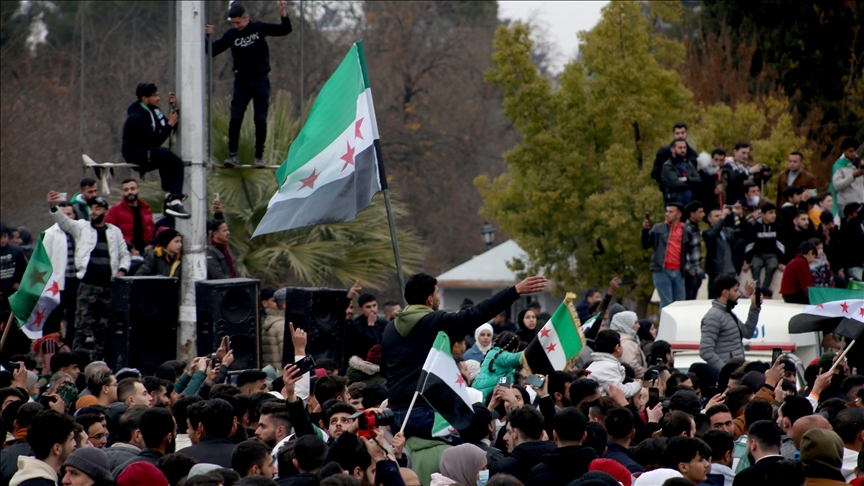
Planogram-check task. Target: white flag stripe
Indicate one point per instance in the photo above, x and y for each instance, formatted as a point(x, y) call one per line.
point(442, 365)
point(854, 309)
point(552, 346)
point(329, 165)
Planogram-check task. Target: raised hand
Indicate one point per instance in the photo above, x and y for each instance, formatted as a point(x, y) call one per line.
point(531, 285)
point(299, 339)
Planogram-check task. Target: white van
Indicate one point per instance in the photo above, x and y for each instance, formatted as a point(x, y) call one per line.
point(681, 326)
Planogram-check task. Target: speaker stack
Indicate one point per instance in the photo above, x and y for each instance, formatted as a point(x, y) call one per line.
point(143, 331)
point(229, 307)
point(321, 313)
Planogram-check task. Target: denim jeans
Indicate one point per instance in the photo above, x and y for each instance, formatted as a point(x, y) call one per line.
point(670, 286)
point(770, 263)
point(256, 90)
point(419, 423)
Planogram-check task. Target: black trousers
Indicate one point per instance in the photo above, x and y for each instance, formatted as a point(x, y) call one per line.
point(68, 303)
point(691, 285)
point(169, 165)
point(796, 298)
point(256, 90)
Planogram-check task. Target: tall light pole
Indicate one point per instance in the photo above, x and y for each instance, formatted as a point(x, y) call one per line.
point(192, 136)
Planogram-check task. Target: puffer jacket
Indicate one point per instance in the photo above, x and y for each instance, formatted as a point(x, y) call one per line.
point(120, 215)
point(722, 333)
point(505, 365)
point(272, 337)
point(632, 354)
point(85, 242)
point(157, 262)
point(607, 370)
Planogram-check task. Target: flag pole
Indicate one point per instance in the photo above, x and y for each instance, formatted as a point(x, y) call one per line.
point(842, 355)
point(410, 407)
point(9, 324)
point(395, 251)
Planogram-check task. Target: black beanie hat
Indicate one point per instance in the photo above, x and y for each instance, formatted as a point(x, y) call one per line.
point(165, 236)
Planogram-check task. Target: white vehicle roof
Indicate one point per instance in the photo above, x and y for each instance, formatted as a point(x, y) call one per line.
point(681, 326)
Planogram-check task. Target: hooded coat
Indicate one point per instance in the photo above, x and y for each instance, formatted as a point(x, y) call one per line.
point(408, 338)
point(33, 472)
point(364, 371)
point(272, 337)
point(623, 323)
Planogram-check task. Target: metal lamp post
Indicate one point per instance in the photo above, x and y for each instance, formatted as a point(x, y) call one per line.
point(487, 232)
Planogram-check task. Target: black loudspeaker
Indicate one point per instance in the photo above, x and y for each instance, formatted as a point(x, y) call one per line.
point(143, 331)
point(321, 313)
point(229, 307)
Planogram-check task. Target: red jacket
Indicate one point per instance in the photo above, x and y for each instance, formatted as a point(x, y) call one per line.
point(796, 277)
point(120, 215)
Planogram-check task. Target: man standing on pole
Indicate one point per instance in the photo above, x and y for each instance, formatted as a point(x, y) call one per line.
point(251, 65)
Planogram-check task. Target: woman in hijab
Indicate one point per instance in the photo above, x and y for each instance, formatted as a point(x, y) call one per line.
point(624, 323)
point(482, 343)
point(527, 320)
point(646, 333)
point(464, 465)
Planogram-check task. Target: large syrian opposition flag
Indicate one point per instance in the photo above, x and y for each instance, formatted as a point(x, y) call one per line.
point(443, 386)
point(334, 165)
point(559, 340)
point(842, 317)
point(38, 293)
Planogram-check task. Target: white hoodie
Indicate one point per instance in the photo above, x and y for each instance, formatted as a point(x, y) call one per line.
point(32, 468)
point(607, 370)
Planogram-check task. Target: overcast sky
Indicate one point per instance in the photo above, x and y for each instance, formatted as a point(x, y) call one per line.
point(561, 19)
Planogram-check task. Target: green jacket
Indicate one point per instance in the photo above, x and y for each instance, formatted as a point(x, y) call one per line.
point(505, 365)
point(425, 457)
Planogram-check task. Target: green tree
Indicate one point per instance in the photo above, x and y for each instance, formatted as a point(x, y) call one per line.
point(579, 181)
point(312, 256)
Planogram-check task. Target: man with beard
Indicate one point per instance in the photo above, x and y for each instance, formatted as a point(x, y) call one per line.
point(722, 331)
point(89, 190)
point(144, 132)
point(664, 153)
point(159, 431)
point(132, 216)
point(679, 176)
point(156, 389)
point(100, 254)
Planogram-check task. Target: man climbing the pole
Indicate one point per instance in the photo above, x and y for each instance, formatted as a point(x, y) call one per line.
point(144, 132)
point(251, 65)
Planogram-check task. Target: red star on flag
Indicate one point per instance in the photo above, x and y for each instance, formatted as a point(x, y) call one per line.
point(550, 348)
point(820, 306)
point(861, 311)
point(40, 316)
point(348, 157)
point(357, 133)
point(459, 380)
point(309, 181)
point(845, 307)
point(54, 288)
point(544, 332)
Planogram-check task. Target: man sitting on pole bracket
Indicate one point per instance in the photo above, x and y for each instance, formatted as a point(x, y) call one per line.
point(144, 132)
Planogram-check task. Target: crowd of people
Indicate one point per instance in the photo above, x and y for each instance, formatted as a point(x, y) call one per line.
point(812, 233)
point(622, 413)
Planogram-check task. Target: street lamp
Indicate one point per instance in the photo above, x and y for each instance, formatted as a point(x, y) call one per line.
point(487, 232)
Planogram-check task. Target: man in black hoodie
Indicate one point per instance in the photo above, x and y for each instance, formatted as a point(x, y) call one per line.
point(144, 132)
point(764, 246)
point(251, 65)
point(408, 338)
point(571, 459)
point(664, 153)
point(526, 444)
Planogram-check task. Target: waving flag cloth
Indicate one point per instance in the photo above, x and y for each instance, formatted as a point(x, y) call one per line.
point(444, 388)
point(38, 294)
point(334, 165)
point(558, 341)
point(842, 317)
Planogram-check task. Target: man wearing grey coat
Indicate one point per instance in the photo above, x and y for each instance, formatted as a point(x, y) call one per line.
point(722, 331)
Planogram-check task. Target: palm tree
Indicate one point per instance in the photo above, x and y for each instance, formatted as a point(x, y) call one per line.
point(313, 256)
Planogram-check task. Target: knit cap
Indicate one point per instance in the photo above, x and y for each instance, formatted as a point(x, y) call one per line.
point(165, 235)
point(374, 355)
point(86, 401)
point(92, 462)
point(202, 468)
point(614, 469)
point(281, 295)
point(685, 401)
point(141, 474)
point(32, 378)
point(822, 448)
point(595, 478)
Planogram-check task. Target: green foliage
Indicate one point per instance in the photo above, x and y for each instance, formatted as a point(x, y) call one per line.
point(579, 182)
point(313, 256)
point(575, 180)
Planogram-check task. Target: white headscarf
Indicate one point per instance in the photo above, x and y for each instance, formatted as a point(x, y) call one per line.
point(624, 322)
point(486, 327)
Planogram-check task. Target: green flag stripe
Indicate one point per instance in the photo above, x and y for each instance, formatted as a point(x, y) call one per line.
point(332, 113)
point(37, 274)
point(567, 332)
